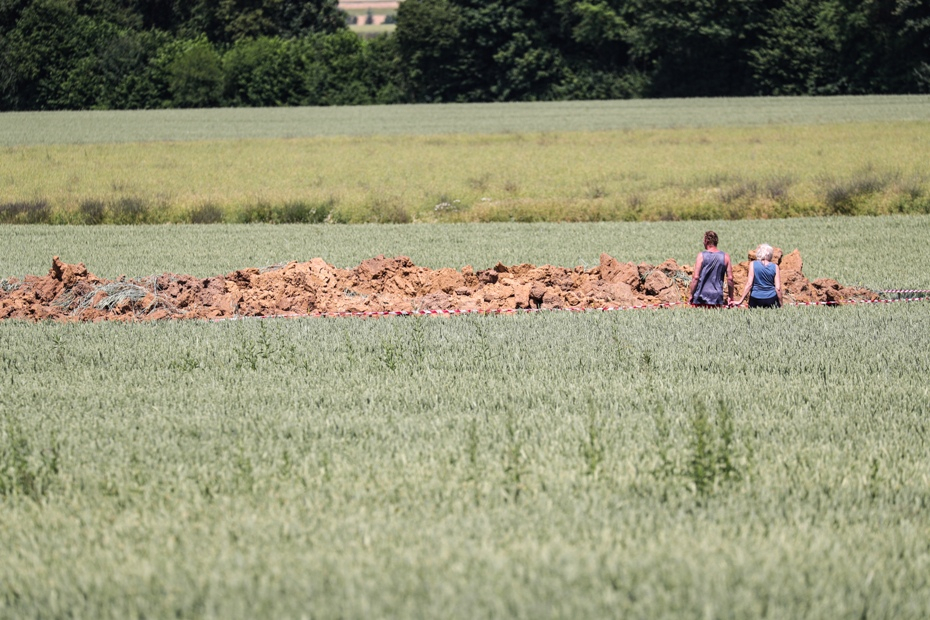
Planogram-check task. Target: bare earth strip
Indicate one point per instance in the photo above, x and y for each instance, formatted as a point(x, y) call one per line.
point(377, 285)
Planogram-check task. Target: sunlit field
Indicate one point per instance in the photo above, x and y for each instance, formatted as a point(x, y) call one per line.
point(676, 463)
point(683, 160)
point(669, 463)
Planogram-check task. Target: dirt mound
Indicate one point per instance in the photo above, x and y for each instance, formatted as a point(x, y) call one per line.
point(72, 293)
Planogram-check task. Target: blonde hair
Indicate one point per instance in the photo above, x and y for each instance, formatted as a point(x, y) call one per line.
point(764, 252)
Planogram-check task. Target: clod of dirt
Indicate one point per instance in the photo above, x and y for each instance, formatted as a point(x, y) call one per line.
point(71, 293)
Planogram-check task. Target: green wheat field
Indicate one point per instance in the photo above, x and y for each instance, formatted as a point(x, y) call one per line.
point(648, 464)
point(642, 464)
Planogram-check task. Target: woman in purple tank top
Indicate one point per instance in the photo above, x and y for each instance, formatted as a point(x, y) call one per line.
point(710, 269)
point(764, 282)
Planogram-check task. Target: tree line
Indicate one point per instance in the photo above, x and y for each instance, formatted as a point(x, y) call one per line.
point(130, 54)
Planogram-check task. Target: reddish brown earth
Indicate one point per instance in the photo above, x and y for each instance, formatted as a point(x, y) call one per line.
point(71, 293)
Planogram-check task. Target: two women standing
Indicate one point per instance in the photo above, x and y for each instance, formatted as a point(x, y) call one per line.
point(712, 268)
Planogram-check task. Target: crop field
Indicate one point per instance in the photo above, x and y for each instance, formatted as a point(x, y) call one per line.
point(668, 174)
point(589, 161)
point(649, 464)
point(179, 125)
point(646, 464)
point(876, 252)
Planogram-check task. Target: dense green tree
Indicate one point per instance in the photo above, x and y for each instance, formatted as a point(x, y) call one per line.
point(798, 50)
point(149, 53)
point(227, 21)
point(816, 47)
point(195, 74)
point(696, 47)
point(463, 50)
point(114, 74)
point(47, 43)
point(335, 69)
point(597, 39)
point(384, 71)
point(471, 50)
point(263, 72)
point(915, 39)
point(429, 41)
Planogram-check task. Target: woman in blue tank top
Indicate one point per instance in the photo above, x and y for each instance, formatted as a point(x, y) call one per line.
point(710, 268)
point(764, 283)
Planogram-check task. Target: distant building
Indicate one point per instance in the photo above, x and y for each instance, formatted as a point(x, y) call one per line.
point(370, 12)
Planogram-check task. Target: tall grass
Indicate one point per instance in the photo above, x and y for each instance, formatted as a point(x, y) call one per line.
point(685, 464)
point(662, 174)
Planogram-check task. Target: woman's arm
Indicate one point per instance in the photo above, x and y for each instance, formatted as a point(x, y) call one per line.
point(726, 260)
point(778, 285)
point(694, 277)
point(748, 287)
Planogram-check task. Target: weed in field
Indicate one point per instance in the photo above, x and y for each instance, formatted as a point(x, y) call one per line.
point(186, 363)
point(289, 212)
point(391, 354)
point(91, 211)
point(778, 187)
point(514, 460)
point(622, 349)
point(717, 179)
point(480, 182)
point(130, 210)
point(842, 196)
point(474, 475)
point(25, 212)
point(667, 214)
point(593, 450)
point(418, 346)
point(635, 203)
point(912, 196)
point(383, 211)
point(256, 212)
point(244, 476)
point(206, 214)
point(912, 188)
point(712, 445)
point(664, 446)
point(304, 212)
point(251, 352)
point(25, 470)
point(447, 204)
point(482, 339)
point(596, 191)
point(744, 190)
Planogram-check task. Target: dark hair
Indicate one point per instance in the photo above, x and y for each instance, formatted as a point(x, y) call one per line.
point(710, 239)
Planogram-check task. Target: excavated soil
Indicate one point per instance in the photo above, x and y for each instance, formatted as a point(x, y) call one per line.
point(71, 293)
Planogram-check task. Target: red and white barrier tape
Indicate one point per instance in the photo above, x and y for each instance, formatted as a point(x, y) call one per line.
point(385, 313)
point(901, 291)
